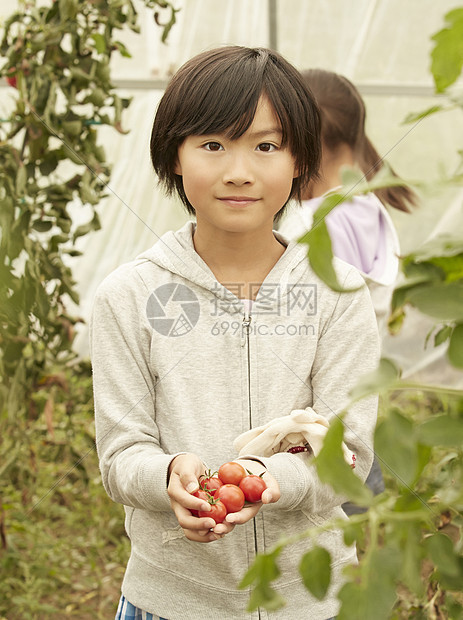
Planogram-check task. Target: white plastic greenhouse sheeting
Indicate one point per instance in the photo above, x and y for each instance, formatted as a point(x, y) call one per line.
point(382, 45)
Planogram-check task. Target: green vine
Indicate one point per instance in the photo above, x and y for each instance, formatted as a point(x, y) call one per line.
point(56, 60)
point(57, 56)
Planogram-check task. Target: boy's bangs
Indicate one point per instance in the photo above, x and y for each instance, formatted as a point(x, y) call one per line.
point(226, 108)
point(231, 112)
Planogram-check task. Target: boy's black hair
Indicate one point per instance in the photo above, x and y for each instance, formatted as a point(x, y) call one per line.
point(217, 92)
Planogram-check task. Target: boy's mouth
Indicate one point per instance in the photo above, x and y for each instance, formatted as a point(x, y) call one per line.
point(238, 201)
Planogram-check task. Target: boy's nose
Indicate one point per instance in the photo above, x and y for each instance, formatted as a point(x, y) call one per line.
point(238, 171)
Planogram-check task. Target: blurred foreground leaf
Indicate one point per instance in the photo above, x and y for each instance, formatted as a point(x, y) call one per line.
point(315, 570)
point(372, 598)
point(260, 576)
point(333, 469)
point(383, 378)
point(447, 55)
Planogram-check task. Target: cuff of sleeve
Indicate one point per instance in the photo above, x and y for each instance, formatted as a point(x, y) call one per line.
point(153, 481)
point(295, 476)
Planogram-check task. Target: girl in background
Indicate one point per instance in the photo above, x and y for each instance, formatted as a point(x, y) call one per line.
point(361, 230)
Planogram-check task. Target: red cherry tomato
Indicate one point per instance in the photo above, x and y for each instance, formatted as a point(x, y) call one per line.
point(218, 512)
point(210, 484)
point(253, 487)
point(231, 473)
point(202, 495)
point(232, 496)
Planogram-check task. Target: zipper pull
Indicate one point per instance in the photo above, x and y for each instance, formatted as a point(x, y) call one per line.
point(245, 328)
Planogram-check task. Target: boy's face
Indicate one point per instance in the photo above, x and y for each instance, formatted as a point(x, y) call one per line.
point(238, 185)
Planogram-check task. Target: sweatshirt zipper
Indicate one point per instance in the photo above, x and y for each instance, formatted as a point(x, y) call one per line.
point(246, 325)
point(245, 341)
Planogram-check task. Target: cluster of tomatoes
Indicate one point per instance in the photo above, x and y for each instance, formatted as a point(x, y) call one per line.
point(227, 490)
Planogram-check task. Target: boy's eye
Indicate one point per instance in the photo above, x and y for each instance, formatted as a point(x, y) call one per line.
point(213, 146)
point(266, 147)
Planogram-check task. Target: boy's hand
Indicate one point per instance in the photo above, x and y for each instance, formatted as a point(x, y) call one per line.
point(269, 496)
point(184, 473)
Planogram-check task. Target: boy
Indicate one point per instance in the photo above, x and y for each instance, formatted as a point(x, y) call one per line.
point(219, 328)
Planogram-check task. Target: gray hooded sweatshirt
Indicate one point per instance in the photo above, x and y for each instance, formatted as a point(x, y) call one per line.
point(180, 366)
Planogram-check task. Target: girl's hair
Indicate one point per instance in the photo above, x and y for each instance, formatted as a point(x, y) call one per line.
point(217, 92)
point(343, 122)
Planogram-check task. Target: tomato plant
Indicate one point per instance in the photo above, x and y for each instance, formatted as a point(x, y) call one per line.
point(218, 511)
point(232, 496)
point(231, 473)
point(252, 487)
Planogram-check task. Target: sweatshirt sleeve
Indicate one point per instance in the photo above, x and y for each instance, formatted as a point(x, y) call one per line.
point(348, 347)
point(133, 465)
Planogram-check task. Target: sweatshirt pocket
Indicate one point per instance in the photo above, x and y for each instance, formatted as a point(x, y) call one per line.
point(277, 525)
point(220, 564)
point(332, 539)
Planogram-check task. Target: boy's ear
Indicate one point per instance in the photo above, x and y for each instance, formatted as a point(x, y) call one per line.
point(177, 167)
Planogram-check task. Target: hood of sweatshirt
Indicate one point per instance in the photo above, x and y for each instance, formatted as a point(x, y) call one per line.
point(176, 253)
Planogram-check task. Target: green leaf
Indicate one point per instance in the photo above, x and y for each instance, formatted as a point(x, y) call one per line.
point(396, 447)
point(452, 582)
point(442, 552)
point(97, 96)
point(21, 179)
point(442, 430)
point(442, 245)
point(440, 300)
point(265, 597)
point(42, 225)
point(351, 178)
point(122, 49)
point(329, 203)
point(68, 9)
point(447, 55)
point(72, 128)
point(452, 266)
point(93, 224)
point(321, 255)
point(264, 569)
point(353, 532)
point(50, 163)
point(423, 272)
point(414, 117)
point(315, 570)
point(373, 596)
point(261, 574)
point(333, 469)
point(442, 335)
point(380, 380)
point(455, 350)
point(318, 239)
point(412, 558)
point(100, 43)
